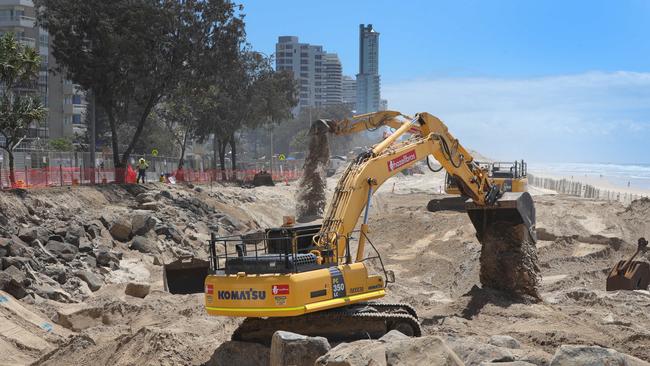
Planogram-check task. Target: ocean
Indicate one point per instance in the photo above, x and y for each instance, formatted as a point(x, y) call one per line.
point(638, 175)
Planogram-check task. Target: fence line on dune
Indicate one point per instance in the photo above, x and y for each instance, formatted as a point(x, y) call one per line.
point(578, 189)
point(71, 176)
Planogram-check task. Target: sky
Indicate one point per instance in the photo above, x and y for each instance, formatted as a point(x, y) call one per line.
point(547, 81)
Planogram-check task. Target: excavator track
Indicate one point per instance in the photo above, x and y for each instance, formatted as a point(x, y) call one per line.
point(358, 321)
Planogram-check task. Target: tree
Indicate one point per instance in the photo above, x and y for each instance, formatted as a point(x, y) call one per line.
point(19, 66)
point(132, 53)
point(178, 114)
point(61, 144)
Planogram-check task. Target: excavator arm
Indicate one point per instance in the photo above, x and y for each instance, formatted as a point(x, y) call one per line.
point(371, 169)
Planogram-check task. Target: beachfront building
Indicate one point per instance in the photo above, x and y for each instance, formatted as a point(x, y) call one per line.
point(368, 80)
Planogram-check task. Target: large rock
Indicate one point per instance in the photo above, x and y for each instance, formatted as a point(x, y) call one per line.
point(74, 233)
point(359, 353)
point(121, 229)
point(142, 223)
point(65, 251)
point(13, 247)
point(593, 355)
point(294, 349)
point(106, 258)
point(13, 284)
point(504, 341)
point(394, 349)
point(79, 318)
point(144, 245)
point(36, 232)
point(93, 281)
point(170, 232)
point(473, 352)
point(85, 245)
point(233, 353)
point(136, 289)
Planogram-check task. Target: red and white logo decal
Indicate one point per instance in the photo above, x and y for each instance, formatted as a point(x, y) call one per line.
point(209, 289)
point(401, 160)
point(280, 289)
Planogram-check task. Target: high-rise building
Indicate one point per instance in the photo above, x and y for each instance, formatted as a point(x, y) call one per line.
point(64, 101)
point(306, 63)
point(333, 79)
point(368, 80)
point(349, 92)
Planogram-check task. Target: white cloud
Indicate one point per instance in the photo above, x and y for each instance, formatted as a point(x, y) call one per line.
point(585, 117)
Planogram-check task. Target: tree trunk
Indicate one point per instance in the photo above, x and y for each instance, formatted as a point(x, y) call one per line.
point(215, 152)
point(12, 173)
point(120, 171)
point(139, 129)
point(181, 161)
point(222, 159)
point(233, 146)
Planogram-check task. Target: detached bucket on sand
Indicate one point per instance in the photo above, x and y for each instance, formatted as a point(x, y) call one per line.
point(506, 232)
point(186, 275)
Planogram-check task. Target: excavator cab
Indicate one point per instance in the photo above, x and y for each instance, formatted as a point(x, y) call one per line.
point(630, 274)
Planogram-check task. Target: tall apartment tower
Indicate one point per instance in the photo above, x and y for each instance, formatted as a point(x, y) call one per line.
point(64, 101)
point(368, 81)
point(349, 92)
point(306, 63)
point(333, 79)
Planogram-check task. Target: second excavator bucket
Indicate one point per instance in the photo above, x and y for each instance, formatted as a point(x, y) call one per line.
point(186, 275)
point(630, 274)
point(514, 208)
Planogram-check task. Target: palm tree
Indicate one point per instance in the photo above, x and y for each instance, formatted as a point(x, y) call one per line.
point(19, 67)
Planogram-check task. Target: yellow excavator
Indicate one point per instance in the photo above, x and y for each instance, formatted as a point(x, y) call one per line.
point(316, 279)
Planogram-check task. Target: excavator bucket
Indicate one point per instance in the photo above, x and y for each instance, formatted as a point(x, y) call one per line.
point(513, 208)
point(185, 275)
point(630, 274)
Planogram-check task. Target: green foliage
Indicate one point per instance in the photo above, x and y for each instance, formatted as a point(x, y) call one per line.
point(61, 144)
point(133, 53)
point(19, 66)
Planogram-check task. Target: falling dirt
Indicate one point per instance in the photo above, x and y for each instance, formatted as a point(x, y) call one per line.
point(310, 200)
point(509, 260)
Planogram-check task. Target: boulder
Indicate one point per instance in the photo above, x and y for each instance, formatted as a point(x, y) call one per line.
point(144, 198)
point(513, 363)
point(420, 351)
point(85, 245)
point(359, 353)
point(142, 223)
point(36, 232)
point(106, 258)
point(121, 229)
point(473, 352)
point(294, 349)
point(4, 247)
point(144, 245)
point(170, 232)
point(74, 234)
point(65, 251)
point(78, 319)
point(56, 272)
point(149, 206)
point(10, 285)
point(504, 341)
point(13, 247)
point(593, 355)
point(234, 353)
point(19, 262)
point(93, 281)
point(136, 289)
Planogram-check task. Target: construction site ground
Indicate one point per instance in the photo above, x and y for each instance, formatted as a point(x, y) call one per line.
point(435, 257)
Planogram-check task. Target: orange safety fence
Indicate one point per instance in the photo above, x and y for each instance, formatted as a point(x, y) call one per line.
point(71, 176)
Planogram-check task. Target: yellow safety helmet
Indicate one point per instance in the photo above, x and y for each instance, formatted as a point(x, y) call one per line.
point(141, 160)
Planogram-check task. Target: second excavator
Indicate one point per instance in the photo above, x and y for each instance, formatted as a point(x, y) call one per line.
point(316, 279)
